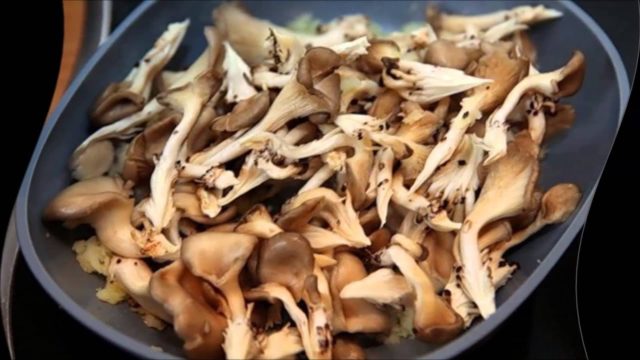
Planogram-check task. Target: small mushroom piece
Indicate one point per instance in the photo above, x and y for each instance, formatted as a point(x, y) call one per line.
point(128, 97)
point(558, 203)
point(562, 82)
point(494, 233)
point(505, 73)
point(434, 320)
point(381, 287)
point(280, 344)
point(183, 296)
point(219, 258)
point(524, 47)
point(440, 259)
point(437, 220)
point(386, 105)
point(561, 120)
point(371, 63)
point(345, 349)
point(245, 114)
point(134, 275)
point(189, 100)
point(384, 163)
point(237, 75)
point(352, 50)
point(285, 51)
point(95, 161)
point(506, 191)
point(524, 14)
point(418, 125)
point(258, 222)
point(424, 83)
point(104, 203)
point(339, 215)
point(354, 315)
point(447, 54)
point(287, 259)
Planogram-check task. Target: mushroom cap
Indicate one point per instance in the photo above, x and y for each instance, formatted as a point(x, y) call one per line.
point(382, 286)
point(371, 63)
point(573, 75)
point(286, 259)
point(345, 349)
point(217, 256)
point(245, 114)
point(562, 119)
point(258, 222)
point(386, 105)
point(84, 198)
point(195, 321)
point(139, 161)
point(94, 161)
point(559, 202)
point(446, 53)
point(317, 64)
point(505, 73)
point(115, 103)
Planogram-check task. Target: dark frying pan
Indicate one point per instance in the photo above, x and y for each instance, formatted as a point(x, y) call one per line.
point(578, 156)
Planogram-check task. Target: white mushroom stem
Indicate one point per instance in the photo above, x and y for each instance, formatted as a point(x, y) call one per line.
point(159, 209)
point(331, 141)
point(425, 83)
point(525, 14)
point(319, 177)
point(238, 76)
point(384, 163)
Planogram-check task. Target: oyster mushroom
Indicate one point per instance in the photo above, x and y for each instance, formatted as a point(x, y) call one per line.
point(245, 114)
point(382, 287)
point(104, 203)
point(558, 203)
point(424, 83)
point(562, 82)
point(185, 297)
point(506, 191)
point(219, 258)
point(524, 14)
point(505, 73)
point(346, 349)
point(128, 97)
point(189, 100)
point(434, 320)
point(95, 161)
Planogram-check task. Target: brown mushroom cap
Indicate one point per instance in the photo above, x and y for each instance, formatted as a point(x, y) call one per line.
point(139, 162)
point(195, 321)
point(115, 103)
point(561, 120)
point(245, 114)
point(573, 73)
point(347, 349)
point(559, 202)
point(371, 63)
point(286, 259)
point(447, 54)
point(505, 73)
point(386, 105)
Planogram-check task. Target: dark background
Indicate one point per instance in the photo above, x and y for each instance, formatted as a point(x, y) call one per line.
point(546, 325)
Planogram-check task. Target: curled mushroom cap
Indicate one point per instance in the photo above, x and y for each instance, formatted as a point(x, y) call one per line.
point(525, 14)
point(371, 63)
point(104, 203)
point(183, 295)
point(286, 259)
point(258, 222)
point(245, 114)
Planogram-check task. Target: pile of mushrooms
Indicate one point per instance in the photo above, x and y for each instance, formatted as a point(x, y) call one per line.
point(292, 193)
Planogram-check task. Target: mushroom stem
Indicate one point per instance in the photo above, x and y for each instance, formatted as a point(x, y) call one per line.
point(525, 14)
